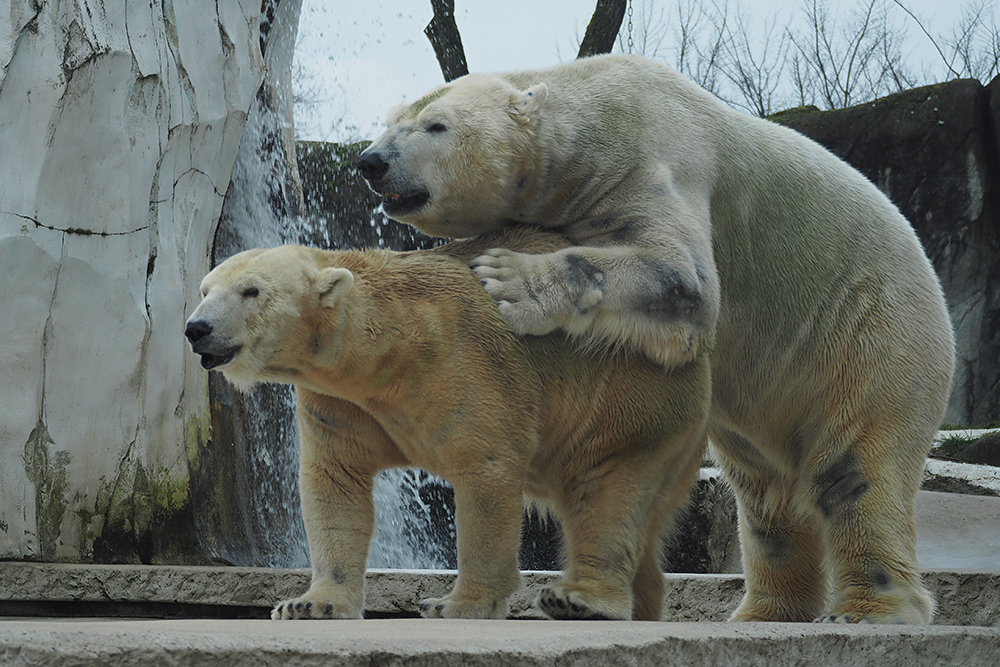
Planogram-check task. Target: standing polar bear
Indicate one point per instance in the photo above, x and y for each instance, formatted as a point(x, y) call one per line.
point(697, 228)
point(401, 359)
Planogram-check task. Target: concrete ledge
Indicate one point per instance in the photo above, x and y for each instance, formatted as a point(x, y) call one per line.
point(965, 597)
point(415, 642)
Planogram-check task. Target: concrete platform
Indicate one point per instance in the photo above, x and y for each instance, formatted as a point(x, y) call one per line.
point(964, 597)
point(214, 616)
point(967, 633)
point(413, 642)
point(958, 531)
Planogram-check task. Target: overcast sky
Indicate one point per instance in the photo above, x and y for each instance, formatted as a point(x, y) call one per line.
point(360, 57)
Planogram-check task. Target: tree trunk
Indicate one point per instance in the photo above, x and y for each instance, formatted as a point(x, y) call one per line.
point(443, 34)
point(603, 28)
point(119, 127)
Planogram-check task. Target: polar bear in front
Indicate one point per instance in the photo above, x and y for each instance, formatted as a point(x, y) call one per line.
point(402, 359)
point(696, 227)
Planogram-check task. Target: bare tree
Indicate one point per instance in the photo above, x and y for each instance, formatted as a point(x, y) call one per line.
point(443, 34)
point(845, 60)
point(645, 31)
point(700, 34)
point(755, 65)
point(975, 42)
point(604, 26)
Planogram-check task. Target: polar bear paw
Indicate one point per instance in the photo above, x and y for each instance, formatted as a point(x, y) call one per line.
point(452, 607)
point(516, 282)
point(308, 607)
point(564, 603)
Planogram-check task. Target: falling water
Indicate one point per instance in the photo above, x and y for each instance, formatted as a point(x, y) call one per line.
point(414, 522)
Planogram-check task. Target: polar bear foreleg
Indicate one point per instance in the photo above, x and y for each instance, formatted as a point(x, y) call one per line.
point(658, 301)
point(342, 448)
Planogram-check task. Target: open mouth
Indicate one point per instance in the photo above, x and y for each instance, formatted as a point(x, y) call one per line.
point(209, 360)
point(396, 204)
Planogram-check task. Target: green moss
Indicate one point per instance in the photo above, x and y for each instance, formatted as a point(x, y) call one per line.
point(424, 101)
point(197, 432)
point(795, 112)
point(48, 472)
point(966, 427)
point(168, 494)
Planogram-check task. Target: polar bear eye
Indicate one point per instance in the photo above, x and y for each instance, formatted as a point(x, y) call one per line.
point(250, 292)
point(437, 128)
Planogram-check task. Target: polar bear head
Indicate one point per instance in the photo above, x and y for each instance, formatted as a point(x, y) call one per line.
point(452, 163)
point(261, 312)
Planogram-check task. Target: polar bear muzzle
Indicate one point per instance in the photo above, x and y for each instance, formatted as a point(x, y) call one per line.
point(213, 352)
point(373, 167)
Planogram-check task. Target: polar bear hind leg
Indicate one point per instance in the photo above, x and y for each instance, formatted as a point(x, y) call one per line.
point(866, 501)
point(613, 546)
point(852, 518)
point(782, 545)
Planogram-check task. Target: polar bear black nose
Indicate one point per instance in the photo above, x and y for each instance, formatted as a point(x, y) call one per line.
point(371, 165)
point(197, 330)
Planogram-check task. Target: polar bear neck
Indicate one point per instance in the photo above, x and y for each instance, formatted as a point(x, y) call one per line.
point(590, 110)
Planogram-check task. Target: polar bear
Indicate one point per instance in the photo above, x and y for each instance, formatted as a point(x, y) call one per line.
point(402, 359)
point(696, 227)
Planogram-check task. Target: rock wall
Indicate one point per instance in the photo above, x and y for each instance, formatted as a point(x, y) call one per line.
point(935, 152)
point(119, 126)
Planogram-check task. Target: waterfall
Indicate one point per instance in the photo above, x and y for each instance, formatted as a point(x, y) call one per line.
point(246, 482)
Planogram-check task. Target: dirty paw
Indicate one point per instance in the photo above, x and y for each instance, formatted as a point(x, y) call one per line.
point(511, 280)
point(448, 607)
point(307, 607)
point(563, 604)
point(845, 618)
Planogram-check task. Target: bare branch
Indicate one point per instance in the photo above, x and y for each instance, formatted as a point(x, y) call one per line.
point(933, 42)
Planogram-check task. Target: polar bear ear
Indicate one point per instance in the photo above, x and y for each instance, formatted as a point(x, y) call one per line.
point(396, 113)
point(526, 105)
point(332, 284)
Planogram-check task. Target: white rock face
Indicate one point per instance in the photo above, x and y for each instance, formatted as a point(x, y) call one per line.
point(119, 126)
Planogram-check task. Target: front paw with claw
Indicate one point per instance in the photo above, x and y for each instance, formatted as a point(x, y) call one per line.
point(453, 607)
point(309, 606)
point(568, 603)
point(516, 282)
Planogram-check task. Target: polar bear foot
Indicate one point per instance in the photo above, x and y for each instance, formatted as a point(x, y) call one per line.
point(452, 607)
point(565, 603)
point(910, 607)
point(309, 607)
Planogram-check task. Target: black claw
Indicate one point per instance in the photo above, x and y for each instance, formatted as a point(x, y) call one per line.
point(440, 607)
point(281, 608)
point(328, 609)
point(309, 606)
point(425, 606)
point(298, 606)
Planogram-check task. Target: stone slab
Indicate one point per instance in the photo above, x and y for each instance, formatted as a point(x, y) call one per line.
point(958, 531)
point(415, 642)
point(965, 597)
point(987, 477)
